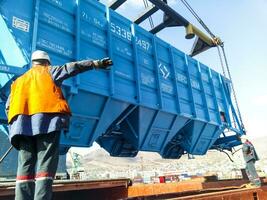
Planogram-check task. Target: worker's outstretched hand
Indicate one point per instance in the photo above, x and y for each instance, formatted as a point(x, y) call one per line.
point(104, 63)
point(107, 62)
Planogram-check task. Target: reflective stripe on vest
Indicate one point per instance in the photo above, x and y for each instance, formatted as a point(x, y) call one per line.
point(35, 92)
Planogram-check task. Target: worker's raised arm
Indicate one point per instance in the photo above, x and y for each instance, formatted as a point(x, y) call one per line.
point(60, 73)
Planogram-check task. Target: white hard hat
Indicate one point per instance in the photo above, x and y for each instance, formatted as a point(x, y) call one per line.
point(244, 138)
point(40, 55)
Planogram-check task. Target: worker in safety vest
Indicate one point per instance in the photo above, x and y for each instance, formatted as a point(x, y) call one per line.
point(37, 112)
point(250, 157)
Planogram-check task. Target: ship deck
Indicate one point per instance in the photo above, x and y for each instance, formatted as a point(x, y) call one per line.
point(122, 189)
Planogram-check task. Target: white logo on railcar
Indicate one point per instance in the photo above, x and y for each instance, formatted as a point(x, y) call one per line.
point(164, 71)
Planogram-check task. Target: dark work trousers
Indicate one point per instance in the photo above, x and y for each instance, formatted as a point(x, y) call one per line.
point(252, 173)
point(37, 164)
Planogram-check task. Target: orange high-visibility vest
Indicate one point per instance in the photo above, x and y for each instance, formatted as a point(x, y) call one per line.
point(35, 92)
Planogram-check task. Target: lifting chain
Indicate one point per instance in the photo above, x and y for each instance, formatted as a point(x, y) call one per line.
point(233, 89)
point(218, 43)
point(150, 18)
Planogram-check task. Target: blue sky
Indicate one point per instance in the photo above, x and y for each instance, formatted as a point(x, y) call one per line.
point(242, 25)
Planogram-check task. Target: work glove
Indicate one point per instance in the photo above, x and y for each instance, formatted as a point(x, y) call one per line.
point(104, 63)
